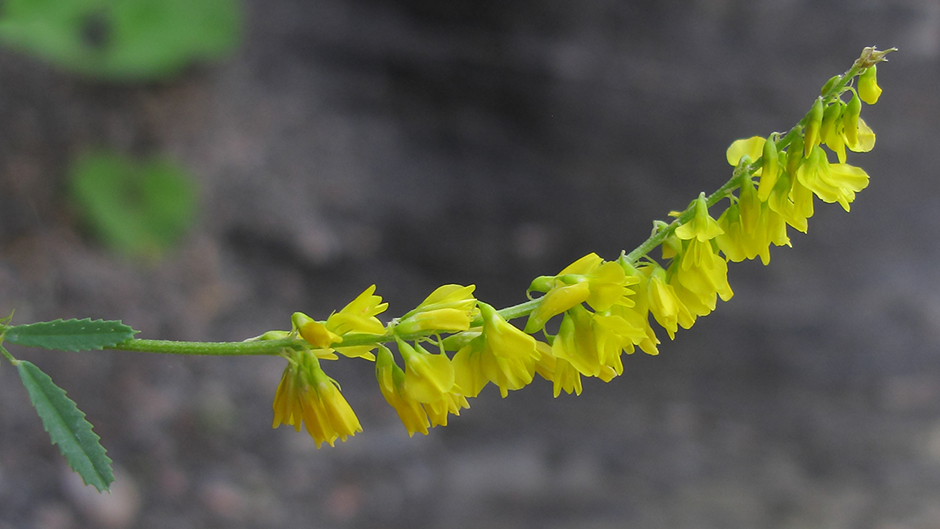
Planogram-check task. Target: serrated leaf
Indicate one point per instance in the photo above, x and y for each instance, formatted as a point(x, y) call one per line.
point(70, 335)
point(67, 427)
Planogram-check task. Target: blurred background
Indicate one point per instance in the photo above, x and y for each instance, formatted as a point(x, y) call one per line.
point(202, 172)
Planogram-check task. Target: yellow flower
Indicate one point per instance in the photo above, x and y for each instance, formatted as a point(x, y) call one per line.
point(755, 231)
point(831, 133)
point(849, 130)
point(832, 182)
point(545, 365)
point(469, 373)
point(702, 226)
point(864, 138)
point(732, 241)
point(502, 354)
point(615, 334)
point(868, 88)
point(696, 304)
point(590, 279)
point(750, 147)
point(306, 395)
point(316, 334)
point(666, 307)
point(449, 404)
point(801, 198)
point(358, 317)
point(638, 315)
point(696, 279)
point(703, 271)
point(578, 342)
point(554, 302)
point(750, 226)
point(417, 416)
point(428, 377)
point(558, 371)
point(776, 226)
point(564, 376)
point(449, 308)
point(391, 379)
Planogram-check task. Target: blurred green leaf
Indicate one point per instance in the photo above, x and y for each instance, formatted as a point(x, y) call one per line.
point(67, 427)
point(70, 335)
point(122, 39)
point(139, 209)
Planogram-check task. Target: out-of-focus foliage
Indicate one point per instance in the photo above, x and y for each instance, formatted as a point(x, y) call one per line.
point(139, 209)
point(122, 40)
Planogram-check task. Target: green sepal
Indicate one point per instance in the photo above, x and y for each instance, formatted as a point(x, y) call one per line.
point(67, 427)
point(542, 284)
point(70, 335)
point(829, 84)
point(455, 342)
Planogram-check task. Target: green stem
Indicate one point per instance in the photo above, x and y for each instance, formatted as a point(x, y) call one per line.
point(258, 347)
point(8, 356)
point(661, 235)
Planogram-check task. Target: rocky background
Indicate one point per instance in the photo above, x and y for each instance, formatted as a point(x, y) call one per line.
point(411, 143)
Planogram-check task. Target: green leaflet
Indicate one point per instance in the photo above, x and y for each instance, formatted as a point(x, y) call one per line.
point(70, 335)
point(67, 427)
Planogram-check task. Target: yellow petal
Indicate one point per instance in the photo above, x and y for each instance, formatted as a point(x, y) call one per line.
point(751, 147)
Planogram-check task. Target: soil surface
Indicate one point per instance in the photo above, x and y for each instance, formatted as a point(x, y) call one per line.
point(411, 143)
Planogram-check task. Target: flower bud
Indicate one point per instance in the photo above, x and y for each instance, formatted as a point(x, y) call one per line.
point(794, 155)
point(769, 169)
point(830, 122)
point(314, 332)
point(811, 129)
point(850, 119)
point(829, 84)
point(542, 284)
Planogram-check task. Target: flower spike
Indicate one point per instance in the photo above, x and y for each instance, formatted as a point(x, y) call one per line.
point(604, 307)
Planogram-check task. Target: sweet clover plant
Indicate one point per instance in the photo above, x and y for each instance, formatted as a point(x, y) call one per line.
point(452, 345)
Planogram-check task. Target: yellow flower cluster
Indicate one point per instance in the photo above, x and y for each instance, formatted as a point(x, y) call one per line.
point(306, 395)
point(452, 345)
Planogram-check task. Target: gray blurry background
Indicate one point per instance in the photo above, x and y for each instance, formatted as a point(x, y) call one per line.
point(411, 143)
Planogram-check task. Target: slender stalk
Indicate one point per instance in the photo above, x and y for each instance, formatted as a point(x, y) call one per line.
point(259, 347)
point(8, 356)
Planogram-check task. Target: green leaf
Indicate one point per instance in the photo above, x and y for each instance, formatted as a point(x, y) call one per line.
point(70, 335)
point(67, 427)
point(140, 209)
